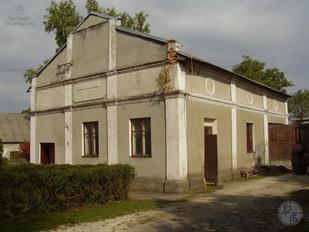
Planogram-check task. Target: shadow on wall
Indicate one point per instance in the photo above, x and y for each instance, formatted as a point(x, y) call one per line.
point(231, 213)
point(259, 155)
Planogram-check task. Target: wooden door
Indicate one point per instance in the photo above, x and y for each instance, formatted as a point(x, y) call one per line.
point(211, 156)
point(47, 153)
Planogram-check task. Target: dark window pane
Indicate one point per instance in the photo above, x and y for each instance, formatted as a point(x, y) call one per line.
point(249, 132)
point(141, 137)
point(148, 144)
point(91, 138)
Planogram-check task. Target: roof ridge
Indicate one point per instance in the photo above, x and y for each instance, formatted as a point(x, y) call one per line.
point(188, 55)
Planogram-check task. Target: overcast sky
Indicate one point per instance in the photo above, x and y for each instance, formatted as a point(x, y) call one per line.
point(276, 32)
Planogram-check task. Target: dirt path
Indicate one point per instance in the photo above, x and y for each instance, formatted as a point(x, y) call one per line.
point(239, 206)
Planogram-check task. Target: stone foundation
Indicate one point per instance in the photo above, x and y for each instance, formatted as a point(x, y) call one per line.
point(193, 183)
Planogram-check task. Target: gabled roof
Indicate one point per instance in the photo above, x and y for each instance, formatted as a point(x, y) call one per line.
point(14, 128)
point(104, 16)
point(141, 34)
point(189, 56)
point(162, 40)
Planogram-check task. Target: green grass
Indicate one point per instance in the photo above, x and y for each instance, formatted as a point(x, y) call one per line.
point(89, 213)
point(92, 213)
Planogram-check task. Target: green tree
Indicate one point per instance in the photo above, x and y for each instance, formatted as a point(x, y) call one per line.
point(61, 19)
point(30, 73)
point(255, 70)
point(93, 6)
point(299, 104)
point(127, 20)
point(140, 22)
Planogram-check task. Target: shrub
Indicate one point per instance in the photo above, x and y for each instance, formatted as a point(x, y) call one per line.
point(3, 161)
point(30, 188)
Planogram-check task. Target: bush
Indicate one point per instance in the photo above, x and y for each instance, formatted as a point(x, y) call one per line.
point(30, 188)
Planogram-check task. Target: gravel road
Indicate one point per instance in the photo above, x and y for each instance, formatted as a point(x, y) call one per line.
point(240, 206)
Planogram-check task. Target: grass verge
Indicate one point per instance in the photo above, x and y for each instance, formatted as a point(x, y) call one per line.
point(92, 213)
point(89, 213)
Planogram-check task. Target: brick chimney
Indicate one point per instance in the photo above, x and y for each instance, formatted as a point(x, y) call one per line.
point(172, 48)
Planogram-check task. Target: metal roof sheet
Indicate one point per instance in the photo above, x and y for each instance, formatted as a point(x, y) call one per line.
point(14, 127)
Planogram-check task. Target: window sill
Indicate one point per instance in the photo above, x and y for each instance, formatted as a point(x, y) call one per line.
point(139, 156)
point(90, 156)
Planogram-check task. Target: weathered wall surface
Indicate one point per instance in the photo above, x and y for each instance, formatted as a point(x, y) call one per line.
point(248, 96)
point(197, 111)
point(91, 20)
point(50, 129)
point(90, 51)
point(89, 89)
point(89, 115)
point(153, 167)
point(275, 104)
point(49, 74)
point(50, 98)
point(244, 159)
point(276, 119)
point(208, 83)
point(139, 82)
point(133, 50)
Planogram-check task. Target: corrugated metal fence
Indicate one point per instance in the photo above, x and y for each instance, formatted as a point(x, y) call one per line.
point(281, 141)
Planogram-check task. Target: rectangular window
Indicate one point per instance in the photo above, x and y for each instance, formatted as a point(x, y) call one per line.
point(91, 138)
point(140, 137)
point(249, 131)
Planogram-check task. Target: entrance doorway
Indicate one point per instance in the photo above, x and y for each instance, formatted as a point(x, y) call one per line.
point(211, 155)
point(47, 153)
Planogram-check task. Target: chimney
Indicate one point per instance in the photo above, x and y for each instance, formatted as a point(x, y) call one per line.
point(118, 21)
point(172, 49)
point(173, 45)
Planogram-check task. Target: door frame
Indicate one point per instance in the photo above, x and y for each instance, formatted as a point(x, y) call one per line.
point(51, 156)
point(208, 122)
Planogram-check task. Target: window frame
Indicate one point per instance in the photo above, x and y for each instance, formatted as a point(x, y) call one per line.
point(96, 140)
point(143, 136)
point(250, 148)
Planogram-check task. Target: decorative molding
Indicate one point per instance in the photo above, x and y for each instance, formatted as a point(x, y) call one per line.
point(210, 85)
point(275, 105)
point(104, 74)
point(249, 97)
point(63, 68)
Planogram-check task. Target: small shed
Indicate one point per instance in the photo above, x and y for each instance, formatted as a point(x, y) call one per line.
point(14, 129)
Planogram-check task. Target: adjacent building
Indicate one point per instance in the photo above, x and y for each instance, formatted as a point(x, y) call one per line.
point(14, 130)
point(112, 95)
